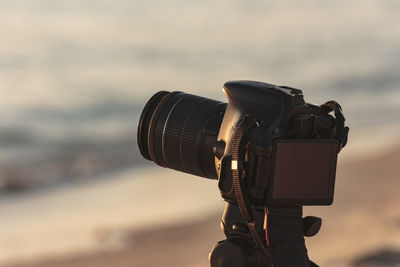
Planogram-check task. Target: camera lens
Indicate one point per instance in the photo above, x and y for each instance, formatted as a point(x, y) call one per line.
point(178, 131)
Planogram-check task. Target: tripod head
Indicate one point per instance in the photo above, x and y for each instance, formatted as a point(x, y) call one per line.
point(271, 152)
point(282, 236)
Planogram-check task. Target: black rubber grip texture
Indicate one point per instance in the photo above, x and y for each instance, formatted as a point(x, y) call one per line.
point(184, 146)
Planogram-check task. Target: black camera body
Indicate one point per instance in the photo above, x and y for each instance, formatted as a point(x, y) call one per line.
point(289, 152)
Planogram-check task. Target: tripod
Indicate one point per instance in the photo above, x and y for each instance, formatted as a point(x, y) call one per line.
point(283, 238)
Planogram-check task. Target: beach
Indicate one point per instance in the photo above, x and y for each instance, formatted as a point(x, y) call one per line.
point(363, 222)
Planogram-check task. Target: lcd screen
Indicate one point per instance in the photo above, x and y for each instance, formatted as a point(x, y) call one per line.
point(304, 172)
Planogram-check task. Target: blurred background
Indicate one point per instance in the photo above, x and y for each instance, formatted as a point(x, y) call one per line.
point(75, 75)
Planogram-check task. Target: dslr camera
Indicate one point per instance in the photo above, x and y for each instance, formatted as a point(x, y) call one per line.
point(270, 151)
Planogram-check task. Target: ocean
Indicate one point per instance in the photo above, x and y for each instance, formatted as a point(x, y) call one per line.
point(74, 75)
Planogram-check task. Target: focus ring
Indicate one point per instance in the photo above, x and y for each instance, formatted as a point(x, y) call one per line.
point(191, 145)
point(183, 145)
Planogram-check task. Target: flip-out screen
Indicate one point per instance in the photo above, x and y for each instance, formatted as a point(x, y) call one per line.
point(303, 173)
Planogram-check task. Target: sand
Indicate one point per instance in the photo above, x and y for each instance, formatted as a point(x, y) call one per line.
point(364, 219)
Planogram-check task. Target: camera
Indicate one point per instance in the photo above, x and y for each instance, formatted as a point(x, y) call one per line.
point(271, 152)
point(288, 150)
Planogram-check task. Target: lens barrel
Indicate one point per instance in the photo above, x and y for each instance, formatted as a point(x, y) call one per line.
point(178, 131)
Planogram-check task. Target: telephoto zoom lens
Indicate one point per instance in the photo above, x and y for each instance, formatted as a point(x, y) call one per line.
point(178, 131)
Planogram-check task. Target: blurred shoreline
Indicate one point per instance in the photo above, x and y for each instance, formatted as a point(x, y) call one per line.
point(75, 161)
point(69, 163)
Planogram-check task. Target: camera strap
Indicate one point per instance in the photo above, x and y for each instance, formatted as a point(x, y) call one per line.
point(342, 131)
point(246, 208)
